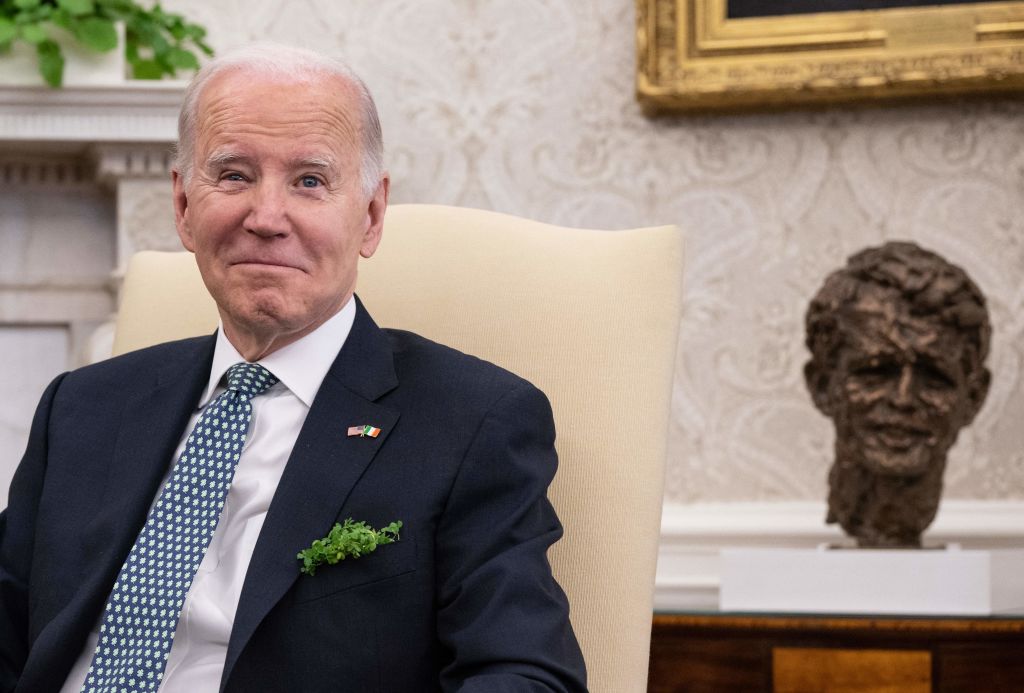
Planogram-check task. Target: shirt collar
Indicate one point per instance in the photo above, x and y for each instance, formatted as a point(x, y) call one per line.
point(301, 366)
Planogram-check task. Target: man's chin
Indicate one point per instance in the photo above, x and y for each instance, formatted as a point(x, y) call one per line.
point(260, 318)
point(910, 463)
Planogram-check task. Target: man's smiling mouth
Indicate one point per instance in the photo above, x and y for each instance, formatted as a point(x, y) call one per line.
point(900, 436)
point(264, 264)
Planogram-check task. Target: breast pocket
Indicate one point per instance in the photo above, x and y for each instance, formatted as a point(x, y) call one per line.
point(388, 561)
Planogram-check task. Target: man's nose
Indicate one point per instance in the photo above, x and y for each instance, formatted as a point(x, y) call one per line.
point(268, 210)
point(903, 394)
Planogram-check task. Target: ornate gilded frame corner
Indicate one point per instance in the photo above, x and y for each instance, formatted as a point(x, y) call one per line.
point(691, 56)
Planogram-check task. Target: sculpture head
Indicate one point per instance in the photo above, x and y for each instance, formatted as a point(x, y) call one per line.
point(898, 341)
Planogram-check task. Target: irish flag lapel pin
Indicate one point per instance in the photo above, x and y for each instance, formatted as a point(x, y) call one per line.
point(363, 431)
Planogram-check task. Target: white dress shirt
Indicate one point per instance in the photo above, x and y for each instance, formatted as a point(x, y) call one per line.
point(200, 644)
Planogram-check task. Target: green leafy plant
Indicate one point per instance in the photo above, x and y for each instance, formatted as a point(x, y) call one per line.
point(348, 540)
point(157, 43)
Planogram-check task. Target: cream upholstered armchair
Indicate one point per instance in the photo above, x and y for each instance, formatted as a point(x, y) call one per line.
point(590, 317)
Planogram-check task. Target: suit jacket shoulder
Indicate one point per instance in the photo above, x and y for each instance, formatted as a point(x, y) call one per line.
point(144, 368)
point(419, 361)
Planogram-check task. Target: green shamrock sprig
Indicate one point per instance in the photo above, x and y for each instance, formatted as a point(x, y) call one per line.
point(348, 540)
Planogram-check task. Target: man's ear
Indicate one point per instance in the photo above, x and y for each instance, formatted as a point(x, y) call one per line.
point(375, 209)
point(977, 390)
point(818, 381)
point(181, 211)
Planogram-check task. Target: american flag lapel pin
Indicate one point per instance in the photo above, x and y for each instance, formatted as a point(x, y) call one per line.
point(363, 431)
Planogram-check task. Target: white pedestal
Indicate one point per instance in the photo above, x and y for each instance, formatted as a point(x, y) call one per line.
point(82, 66)
point(946, 581)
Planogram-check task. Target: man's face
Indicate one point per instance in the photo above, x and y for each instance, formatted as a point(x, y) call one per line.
point(274, 210)
point(900, 394)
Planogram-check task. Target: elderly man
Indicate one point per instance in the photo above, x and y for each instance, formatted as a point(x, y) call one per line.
point(154, 522)
point(898, 341)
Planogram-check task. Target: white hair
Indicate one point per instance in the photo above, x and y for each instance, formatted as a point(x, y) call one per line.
point(288, 63)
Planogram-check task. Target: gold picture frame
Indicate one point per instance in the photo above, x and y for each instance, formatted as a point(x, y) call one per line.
point(692, 56)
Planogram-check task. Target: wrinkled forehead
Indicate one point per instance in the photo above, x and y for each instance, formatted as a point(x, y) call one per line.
point(240, 100)
point(881, 323)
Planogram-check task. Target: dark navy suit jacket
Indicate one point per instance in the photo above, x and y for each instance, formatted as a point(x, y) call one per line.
point(465, 601)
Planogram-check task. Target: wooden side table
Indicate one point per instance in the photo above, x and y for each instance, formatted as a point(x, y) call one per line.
point(726, 653)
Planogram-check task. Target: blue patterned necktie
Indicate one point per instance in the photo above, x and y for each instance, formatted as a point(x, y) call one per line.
point(143, 609)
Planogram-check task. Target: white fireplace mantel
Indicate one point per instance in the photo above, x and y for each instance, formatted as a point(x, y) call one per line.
point(106, 149)
point(71, 118)
point(119, 137)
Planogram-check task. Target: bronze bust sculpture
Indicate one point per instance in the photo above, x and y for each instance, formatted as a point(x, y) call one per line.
point(898, 342)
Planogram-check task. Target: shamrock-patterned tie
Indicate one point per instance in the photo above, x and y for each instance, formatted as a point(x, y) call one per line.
point(142, 612)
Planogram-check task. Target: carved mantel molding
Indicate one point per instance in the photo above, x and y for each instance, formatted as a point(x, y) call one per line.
point(118, 136)
point(114, 140)
point(71, 118)
point(124, 131)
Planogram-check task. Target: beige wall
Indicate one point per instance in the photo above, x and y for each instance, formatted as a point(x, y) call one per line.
point(526, 106)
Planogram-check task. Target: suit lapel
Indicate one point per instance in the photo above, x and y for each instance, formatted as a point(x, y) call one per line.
point(151, 428)
point(324, 466)
point(153, 419)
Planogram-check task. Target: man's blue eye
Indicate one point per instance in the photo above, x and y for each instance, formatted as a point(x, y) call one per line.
point(310, 181)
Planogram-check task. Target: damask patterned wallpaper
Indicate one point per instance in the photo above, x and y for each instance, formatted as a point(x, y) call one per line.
point(527, 107)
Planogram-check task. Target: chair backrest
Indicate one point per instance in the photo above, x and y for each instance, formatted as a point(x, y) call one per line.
point(590, 317)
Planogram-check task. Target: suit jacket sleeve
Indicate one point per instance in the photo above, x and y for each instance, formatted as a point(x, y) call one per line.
point(17, 529)
point(500, 611)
